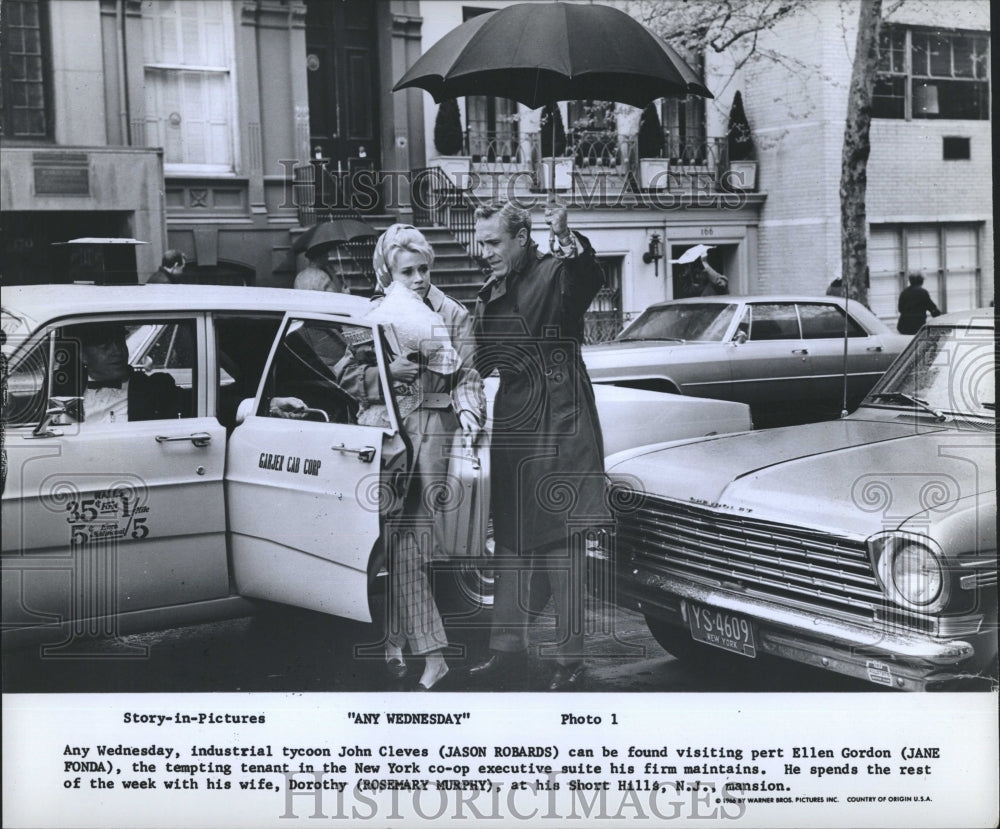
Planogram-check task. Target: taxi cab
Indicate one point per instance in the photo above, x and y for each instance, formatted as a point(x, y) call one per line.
point(113, 527)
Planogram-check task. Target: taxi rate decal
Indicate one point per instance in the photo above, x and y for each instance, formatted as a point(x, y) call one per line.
point(110, 514)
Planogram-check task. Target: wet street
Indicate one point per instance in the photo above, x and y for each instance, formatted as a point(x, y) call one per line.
point(292, 650)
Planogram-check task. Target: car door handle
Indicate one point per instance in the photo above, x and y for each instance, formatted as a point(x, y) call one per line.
point(874, 348)
point(365, 454)
point(800, 351)
point(197, 438)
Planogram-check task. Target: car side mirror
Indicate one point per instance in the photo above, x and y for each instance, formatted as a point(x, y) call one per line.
point(58, 408)
point(244, 410)
point(740, 337)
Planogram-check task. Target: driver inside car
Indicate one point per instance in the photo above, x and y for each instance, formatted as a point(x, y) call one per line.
point(112, 390)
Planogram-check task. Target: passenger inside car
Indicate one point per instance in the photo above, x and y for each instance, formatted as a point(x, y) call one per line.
point(305, 371)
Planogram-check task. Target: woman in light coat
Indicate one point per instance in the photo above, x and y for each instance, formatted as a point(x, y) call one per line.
point(438, 398)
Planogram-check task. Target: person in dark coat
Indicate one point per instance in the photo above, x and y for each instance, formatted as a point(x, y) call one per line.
point(698, 278)
point(914, 305)
point(704, 280)
point(547, 453)
point(171, 269)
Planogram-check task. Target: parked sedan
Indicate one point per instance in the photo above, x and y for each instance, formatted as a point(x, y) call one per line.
point(126, 523)
point(773, 352)
point(865, 546)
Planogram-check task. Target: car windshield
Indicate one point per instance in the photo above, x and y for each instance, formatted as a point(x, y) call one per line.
point(950, 371)
point(705, 322)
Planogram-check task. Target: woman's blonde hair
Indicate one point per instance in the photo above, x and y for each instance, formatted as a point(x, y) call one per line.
point(397, 239)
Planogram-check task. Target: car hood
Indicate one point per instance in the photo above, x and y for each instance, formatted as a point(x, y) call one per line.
point(850, 476)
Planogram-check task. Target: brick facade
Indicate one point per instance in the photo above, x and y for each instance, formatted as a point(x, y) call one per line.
point(797, 109)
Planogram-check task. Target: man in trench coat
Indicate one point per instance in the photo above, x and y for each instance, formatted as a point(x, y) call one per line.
point(547, 453)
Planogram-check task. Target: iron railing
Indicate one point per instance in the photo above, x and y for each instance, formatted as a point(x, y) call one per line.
point(437, 201)
point(499, 160)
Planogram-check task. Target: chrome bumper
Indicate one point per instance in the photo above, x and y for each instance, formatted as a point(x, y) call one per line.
point(825, 642)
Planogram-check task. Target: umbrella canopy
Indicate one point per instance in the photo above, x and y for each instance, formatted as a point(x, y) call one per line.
point(327, 235)
point(538, 53)
point(692, 253)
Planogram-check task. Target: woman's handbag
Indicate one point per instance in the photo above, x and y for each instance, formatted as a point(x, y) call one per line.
point(464, 519)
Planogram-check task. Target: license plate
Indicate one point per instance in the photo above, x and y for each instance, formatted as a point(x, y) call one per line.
point(721, 629)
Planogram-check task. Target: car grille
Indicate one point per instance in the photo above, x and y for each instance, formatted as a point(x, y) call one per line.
point(804, 566)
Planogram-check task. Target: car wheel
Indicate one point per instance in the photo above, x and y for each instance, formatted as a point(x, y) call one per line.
point(465, 588)
point(676, 640)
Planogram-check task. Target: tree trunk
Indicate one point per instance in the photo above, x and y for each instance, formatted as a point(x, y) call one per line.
point(854, 163)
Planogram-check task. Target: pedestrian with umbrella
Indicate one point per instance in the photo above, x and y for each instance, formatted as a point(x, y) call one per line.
point(320, 274)
point(547, 453)
point(698, 277)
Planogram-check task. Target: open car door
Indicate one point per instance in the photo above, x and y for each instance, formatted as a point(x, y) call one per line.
point(305, 491)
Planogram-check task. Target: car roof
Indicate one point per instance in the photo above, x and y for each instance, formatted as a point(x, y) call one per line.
point(40, 303)
point(855, 308)
point(722, 299)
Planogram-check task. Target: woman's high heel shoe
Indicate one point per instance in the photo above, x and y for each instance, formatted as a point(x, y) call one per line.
point(442, 683)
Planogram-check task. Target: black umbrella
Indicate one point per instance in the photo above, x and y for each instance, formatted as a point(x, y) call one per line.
point(325, 235)
point(539, 53)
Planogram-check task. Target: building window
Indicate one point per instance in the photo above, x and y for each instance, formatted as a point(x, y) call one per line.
point(491, 122)
point(683, 122)
point(25, 88)
point(956, 148)
point(593, 132)
point(946, 255)
point(190, 99)
point(932, 74)
point(493, 132)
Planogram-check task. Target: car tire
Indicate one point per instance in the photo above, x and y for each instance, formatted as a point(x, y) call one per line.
point(464, 588)
point(675, 640)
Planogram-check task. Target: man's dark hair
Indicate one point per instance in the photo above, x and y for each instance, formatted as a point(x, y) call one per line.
point(916, 279)
point(97, 333)
point(172, 258)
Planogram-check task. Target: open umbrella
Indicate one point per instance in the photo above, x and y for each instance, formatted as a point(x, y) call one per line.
point(692, 253)
point(539, 53)
point(325, 235)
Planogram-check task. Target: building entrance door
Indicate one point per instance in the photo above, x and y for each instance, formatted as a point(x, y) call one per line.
point(342, 71)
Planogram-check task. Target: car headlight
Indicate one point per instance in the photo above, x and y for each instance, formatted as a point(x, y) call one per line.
point(911, 570)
